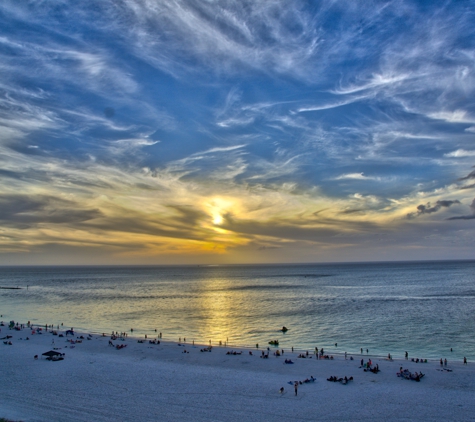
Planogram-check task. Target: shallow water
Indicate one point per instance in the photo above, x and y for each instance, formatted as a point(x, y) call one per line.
point(425, 308)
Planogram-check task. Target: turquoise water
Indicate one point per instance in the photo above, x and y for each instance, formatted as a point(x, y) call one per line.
point(425, 308)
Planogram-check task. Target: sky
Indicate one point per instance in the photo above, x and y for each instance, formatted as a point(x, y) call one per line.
point(226, 132)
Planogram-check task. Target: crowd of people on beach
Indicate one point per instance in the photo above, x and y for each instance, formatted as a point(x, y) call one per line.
point(406, 374)
point(320, 354)
point(343, 381)
point(117, 346)
point(368, 366)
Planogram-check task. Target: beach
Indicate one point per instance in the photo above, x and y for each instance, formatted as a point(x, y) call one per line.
point(149, 382)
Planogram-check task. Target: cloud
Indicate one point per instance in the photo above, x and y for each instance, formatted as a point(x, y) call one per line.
point(375, 81)
point(223, 149)
point(460, 153)
point(236, 122)
point(246, 99)
point(22, 211)
point(126, 145)
point(467, 186)
point(429, 209)
point(471, 175)
point(331, 105)
point(356, 176)
point(456, 116)
point(466, 217)
point(222, 37)
point(352, 211)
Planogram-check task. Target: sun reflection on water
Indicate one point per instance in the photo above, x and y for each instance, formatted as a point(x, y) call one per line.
point(220, 309)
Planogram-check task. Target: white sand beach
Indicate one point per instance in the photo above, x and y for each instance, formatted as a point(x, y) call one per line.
point(147, 382)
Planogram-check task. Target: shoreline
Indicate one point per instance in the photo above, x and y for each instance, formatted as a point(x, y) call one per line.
point(140, 335)
point(143, 381)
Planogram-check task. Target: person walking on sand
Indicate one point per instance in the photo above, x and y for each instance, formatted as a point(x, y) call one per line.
point(296, 387)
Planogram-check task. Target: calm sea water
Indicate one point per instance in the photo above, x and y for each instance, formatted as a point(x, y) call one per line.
point(422, 307)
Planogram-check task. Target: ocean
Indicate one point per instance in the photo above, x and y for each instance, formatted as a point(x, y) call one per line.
point(425, 308)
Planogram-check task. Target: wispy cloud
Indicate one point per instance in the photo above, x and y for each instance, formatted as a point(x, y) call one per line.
point(331, 105)
point(460, 153)
point(375, 81)
point(466, 217)
point(356, 176)
point(277, 36)
point(193, 128)
point(456, 116)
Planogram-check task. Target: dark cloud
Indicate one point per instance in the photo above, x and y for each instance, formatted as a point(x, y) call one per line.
point(135, 223)
point(471, 175)
point(319, 211)
point(88, 184)
point(296, 229)
point(33, 175)
point(352, 211)
point(463, 217)
point(22, 211)
point(185, 223)
point(187, 216)
point(429, 209)
point(26, 175)
point(8, 173)
point(466, 217)
point(144, 186)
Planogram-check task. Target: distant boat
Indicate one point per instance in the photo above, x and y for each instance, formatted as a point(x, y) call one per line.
point(274, 342)
point(284, 329)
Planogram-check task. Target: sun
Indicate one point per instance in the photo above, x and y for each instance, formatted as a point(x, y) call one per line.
point(217, 220)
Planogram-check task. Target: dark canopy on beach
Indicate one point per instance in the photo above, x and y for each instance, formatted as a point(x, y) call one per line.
point(51, 353)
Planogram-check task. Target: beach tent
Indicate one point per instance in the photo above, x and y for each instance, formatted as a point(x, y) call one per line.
point(52, 354)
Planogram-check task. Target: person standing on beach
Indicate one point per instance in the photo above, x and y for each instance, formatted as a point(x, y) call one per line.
point(464, 360)
point(296, 387)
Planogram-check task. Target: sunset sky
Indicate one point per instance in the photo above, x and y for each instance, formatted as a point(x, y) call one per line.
point(214, 131)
